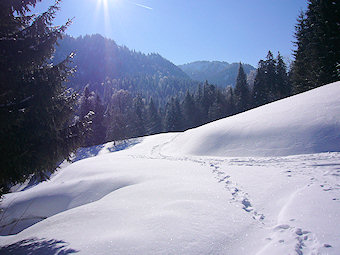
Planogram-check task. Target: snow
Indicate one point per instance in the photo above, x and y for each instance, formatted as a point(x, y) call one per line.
point(261, 182)
point(305, 123)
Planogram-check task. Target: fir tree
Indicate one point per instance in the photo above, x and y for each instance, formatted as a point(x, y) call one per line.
point(98, 123)
point(154, 123)
point(120, 112)
point(139, 116)
point(241, 93)
point(230, 106)
point(174, 120)
point(218, 109)
point(270, 74)
point(283, 88)
point(260, 90)
point(208, 98)
point(85, 102)
point(35, 109)
point(271, 81)
point(190, 111)
point(318, 46)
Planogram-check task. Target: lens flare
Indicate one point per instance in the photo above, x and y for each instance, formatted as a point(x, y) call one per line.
point(103, 6)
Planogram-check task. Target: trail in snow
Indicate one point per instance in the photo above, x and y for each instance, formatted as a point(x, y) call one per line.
point(301, 241)
point(281, 234)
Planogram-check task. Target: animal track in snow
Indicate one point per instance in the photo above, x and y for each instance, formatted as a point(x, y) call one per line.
point(300, 241)
point(238, 195)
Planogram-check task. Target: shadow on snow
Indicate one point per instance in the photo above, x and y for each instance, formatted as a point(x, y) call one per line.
point(38, 247)
point(110, 147)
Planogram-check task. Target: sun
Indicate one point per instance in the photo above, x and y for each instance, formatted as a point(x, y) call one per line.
point(103, 8)
point(102, 3)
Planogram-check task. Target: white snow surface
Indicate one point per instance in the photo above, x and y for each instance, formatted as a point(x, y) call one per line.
point(263, 182)
point(305, 123)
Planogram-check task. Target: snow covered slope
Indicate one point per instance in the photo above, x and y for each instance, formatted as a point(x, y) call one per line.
point(305, 123)
point(175, 193)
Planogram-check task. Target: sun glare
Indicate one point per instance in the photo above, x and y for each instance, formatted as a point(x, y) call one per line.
point(103, 6)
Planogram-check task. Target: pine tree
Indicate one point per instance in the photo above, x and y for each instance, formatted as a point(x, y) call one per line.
point(190, 111)
point(170, 116)
point(85, 104)
point(218, 109)
point(270, 74)
point(260, 90)
point(318, 46)
point(230, 106)
point(154, 123)
point(174, 120)
point(198, 100)
point(283, 88)
point(98, 123)
point(241, 93)
point(271, 81)
point(207, 99)
point(120, 111)
point(35, 109)
point(139, 116)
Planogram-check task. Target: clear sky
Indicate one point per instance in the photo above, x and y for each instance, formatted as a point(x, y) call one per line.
point(183, 31)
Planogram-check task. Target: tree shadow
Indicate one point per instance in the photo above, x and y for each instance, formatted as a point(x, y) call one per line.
point(88, 152)
point(37, 247)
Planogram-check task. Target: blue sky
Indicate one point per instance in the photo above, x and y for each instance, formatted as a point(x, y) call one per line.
point(188, 30)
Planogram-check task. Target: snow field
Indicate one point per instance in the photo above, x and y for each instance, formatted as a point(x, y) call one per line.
point(209, 190)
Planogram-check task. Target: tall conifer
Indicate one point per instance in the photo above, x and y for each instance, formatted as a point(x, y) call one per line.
point(317, 56)
point(241, 93)
point(35, 109)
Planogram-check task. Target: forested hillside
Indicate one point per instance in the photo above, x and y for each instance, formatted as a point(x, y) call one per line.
point(106, 68)
point(219, 73)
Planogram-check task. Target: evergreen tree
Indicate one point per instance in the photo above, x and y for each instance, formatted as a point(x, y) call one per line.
point(154, 123)
point(170, 117)
point(174, 120)
point(208, 98)
point(230, 106)
point(120, 111)
point(190, 111)
point(198, 99)
point(215, 112)
point(283, 88)
point(85, 102)
point(139, 115)
point(241, 93)
point(318, 46)
point(270, 80)
point(260, 90)
point(218, 109)
point(35, 109)
point(98, 123)
point(179, 118)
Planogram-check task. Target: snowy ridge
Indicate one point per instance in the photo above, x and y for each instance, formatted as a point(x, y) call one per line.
point(177, 193)
point(305, 123)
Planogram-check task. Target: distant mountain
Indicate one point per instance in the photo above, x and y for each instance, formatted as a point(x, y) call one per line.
point(102, 64)
point(219, 73)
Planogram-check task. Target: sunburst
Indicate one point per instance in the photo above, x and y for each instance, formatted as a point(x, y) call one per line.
point(103, 5)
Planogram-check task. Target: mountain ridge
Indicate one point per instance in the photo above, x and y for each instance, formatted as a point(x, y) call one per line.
point(220, 73)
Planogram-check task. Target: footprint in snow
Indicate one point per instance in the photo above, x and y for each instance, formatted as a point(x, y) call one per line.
point(224, 178)
point(238, 195)
point(247, 205)
point(305, 241)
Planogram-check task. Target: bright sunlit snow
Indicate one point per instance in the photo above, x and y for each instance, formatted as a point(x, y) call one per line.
point(266, 181)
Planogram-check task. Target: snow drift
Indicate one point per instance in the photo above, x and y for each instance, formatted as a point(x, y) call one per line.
point(169, 194)
point(301, 124)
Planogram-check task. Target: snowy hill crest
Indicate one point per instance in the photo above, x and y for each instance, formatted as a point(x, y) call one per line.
point(301, 124)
